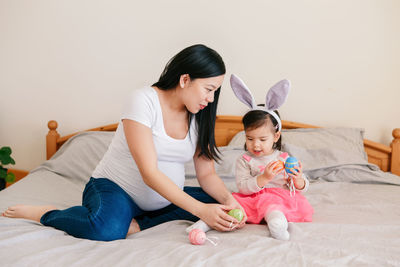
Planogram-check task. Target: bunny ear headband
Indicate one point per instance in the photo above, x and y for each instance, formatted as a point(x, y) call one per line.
point(276, 96)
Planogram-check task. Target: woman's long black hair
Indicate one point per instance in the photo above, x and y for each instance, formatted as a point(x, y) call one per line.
point(198, 61)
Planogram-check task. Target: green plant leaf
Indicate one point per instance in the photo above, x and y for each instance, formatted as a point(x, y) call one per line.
point(6, 150)
point(10, 178)
point(3, 173)
point(5, 157)
point(6, 161)
point(2, 158)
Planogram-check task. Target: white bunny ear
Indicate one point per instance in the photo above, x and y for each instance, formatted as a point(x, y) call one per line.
point(242, 92)
point(277, 95)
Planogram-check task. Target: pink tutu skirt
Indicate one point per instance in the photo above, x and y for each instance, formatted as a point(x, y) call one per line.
point(296, 208)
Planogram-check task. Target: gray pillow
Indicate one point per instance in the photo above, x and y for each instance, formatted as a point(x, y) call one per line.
point(79, 156)
point(238, 140)
point(325, 147)
point(319, 147)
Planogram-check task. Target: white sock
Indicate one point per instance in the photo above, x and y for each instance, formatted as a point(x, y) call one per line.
point(199, 225)
point(277, 224)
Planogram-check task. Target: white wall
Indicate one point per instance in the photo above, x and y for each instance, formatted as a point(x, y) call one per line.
point(75, 61)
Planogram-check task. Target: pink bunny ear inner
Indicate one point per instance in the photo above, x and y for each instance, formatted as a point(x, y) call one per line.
point(277, 95)
point(242, 92)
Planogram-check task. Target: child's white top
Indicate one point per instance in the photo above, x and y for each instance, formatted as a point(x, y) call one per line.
point(119, 166)
point(248, 167)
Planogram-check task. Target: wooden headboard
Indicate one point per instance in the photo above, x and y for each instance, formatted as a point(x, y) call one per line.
point(386, 157)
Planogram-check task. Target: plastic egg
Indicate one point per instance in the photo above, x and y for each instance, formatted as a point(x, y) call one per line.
point(290, 164)
point(236, 213)
point(280, 165)
point(197, 237)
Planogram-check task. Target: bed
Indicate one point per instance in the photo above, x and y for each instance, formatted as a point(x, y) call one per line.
point(355, 192)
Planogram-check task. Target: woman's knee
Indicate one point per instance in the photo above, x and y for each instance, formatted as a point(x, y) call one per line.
point(110, 230)
point(110, 225)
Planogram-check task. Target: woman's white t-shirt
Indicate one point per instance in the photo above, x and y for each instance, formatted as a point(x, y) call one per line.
point(119, 166)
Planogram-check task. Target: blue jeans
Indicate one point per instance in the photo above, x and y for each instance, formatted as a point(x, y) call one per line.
point(107, 211)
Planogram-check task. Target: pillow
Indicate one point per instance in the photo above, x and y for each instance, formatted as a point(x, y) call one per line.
point(319, 147)
point(325, 147)
point(78, 157)
point(238, 140)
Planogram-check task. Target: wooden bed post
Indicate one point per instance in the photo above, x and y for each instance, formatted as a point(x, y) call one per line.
point(51, 139)
point(395, 162)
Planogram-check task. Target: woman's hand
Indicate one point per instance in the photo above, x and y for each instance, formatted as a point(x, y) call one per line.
point(216, 216)
point(297, 176)
point(233, 204)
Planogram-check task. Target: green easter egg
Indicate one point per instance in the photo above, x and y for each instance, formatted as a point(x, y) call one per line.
point(236, 213)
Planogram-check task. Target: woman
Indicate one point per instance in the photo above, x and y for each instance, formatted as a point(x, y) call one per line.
point(142, 173)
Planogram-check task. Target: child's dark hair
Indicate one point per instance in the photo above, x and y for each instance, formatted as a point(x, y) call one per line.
point(257, 118)
point(199, 61)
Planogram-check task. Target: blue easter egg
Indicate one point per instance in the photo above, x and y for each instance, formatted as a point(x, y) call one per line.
point(290, 163)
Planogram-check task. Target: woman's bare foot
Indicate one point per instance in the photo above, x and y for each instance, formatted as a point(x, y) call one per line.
point(133, 227)
point(27, 211)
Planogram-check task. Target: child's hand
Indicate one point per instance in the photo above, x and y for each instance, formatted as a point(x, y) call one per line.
point(270, 171)
point(297, 177)
point(273, 168)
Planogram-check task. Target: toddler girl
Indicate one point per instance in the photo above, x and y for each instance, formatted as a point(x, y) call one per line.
point(264, 186)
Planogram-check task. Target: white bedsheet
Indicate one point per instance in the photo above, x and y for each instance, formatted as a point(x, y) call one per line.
point(354, 225)
point(356, 222)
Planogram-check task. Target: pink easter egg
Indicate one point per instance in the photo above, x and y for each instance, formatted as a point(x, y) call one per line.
point(197, 237)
